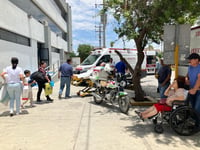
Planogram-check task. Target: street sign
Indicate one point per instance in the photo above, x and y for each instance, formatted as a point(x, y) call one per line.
point(169, 44)
point(184, 43)
point(168, 57)
point(176, 35)
point(169, 38)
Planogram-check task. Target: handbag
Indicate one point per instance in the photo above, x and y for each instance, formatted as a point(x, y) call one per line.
point(38, 77)
point(4, 97)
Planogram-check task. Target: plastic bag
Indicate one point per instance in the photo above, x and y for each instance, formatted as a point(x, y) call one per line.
point(52, 83)
point(48, 89)
point(4, 97)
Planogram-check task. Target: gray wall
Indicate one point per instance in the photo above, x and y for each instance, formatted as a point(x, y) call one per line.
point(27, 55)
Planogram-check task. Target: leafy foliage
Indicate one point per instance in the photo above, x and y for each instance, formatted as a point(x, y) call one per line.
point(72, 54)
point(84, 50)
point(143, 21)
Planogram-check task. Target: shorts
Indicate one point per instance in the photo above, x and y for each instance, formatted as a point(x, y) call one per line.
point(162, 107)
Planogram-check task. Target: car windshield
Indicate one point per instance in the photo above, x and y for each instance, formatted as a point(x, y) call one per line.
point(90, 59)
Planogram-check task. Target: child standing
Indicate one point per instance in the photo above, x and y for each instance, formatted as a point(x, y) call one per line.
point(27, 86)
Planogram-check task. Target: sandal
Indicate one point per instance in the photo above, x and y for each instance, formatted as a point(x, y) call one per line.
point(139, 115)
point(22, 106)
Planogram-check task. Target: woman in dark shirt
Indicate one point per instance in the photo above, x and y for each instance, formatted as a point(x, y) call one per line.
point(41, 84)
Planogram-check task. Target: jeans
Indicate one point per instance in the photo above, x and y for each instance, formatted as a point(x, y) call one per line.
point(162, 89)
point(195, 101)
point(14, 91)
point(63, 81)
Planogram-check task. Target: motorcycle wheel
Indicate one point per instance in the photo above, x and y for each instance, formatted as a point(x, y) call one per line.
point(124, 104)
point(98, 98)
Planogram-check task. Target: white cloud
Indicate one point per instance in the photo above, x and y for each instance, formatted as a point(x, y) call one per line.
point(83, 12)
point(83, 19)
point(84, 25)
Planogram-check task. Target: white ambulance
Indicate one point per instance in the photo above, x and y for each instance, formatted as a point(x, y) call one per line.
point(98, 56)
point(150, 61)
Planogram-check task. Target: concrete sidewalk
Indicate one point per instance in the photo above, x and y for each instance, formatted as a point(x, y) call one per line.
point(79, 124)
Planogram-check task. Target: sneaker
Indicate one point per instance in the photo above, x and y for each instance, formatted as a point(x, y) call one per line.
point(11, 113)
point(59, 96)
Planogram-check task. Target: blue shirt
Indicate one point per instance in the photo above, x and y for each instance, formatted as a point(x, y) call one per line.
point(193, 75)
point(66, 70)
point(121, 67)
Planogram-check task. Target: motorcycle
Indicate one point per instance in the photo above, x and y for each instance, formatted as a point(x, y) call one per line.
point(112, 92)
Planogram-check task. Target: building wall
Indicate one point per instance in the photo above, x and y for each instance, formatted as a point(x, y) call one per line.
point(27, 55)
point(69, 27)
point(16, 20)
point(55, 57)
point(50, 10)
point(13, 18)
point(58, 42)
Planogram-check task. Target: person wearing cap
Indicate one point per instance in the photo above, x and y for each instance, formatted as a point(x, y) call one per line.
point(164, 76)
point(13, 75)
point(193, 80)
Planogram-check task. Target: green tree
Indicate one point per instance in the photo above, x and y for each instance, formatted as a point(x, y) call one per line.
point(72, 54)
point(143, 21)
point(84, 50)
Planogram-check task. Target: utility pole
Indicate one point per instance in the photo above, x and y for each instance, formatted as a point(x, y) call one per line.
point(99, 30)
point(104, 22)
point(102, 27)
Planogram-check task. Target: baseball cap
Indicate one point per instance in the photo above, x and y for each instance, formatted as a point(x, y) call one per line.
point(194, 56)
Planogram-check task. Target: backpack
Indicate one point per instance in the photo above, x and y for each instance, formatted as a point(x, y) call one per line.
point(38, 76)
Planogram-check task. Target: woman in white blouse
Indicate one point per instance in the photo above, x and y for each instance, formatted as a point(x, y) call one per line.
point(13, 76)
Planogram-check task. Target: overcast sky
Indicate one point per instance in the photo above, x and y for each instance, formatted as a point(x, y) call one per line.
point(84, 19)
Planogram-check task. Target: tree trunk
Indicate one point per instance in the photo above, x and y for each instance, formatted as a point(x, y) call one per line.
point(139, 94)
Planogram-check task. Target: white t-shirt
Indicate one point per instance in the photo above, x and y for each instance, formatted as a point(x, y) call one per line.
point(26, 82)
point(13, 75)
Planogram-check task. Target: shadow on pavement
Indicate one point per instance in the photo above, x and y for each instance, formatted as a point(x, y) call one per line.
point(27, 107)
point(145, 129)
point(110, 108)
point(42, 102)
point(7, 113)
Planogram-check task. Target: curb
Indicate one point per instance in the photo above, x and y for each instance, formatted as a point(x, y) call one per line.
point(150, 101)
